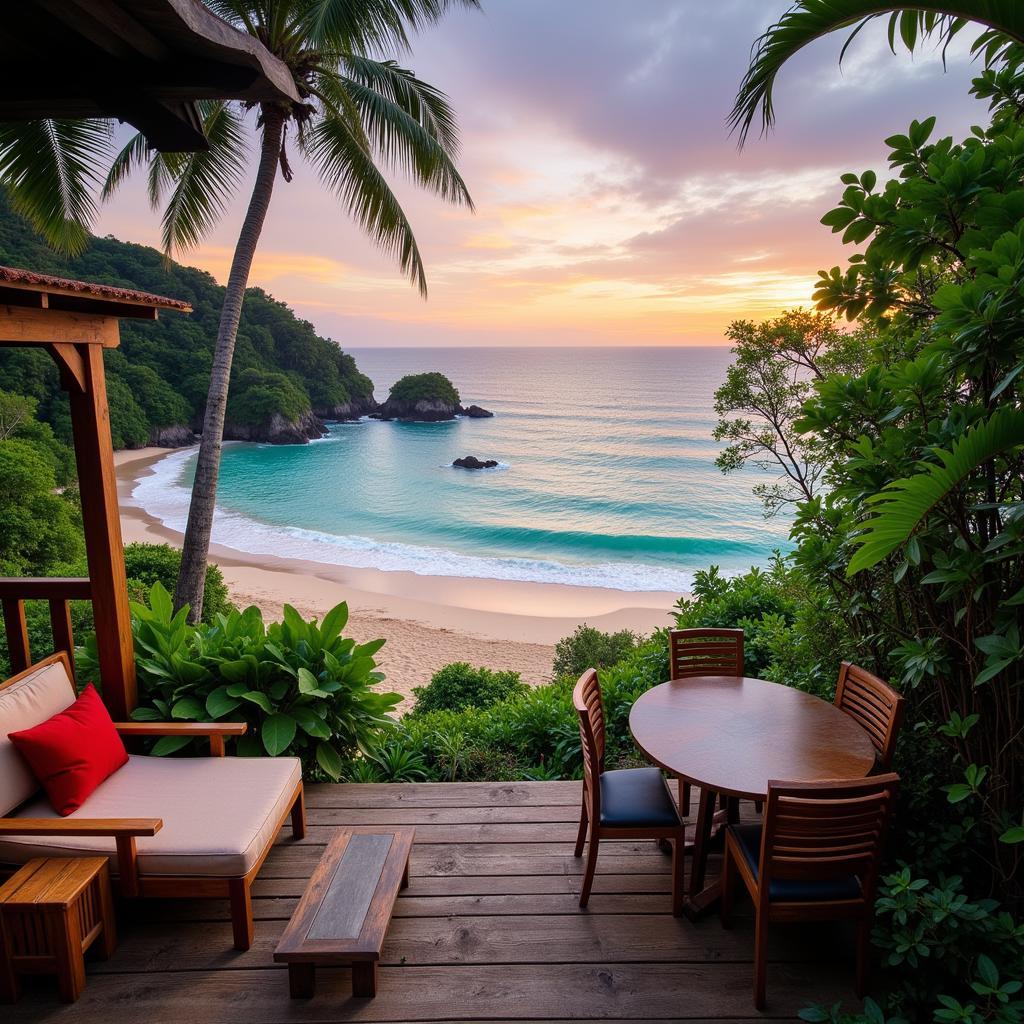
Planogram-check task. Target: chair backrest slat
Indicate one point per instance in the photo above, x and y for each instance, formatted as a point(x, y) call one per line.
point(586, 698)
point(822, 831)
point(705, 652)
point(874, 705)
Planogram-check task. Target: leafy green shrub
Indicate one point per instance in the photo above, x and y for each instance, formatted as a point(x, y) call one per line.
point(262, 394)
point(459, 685)
point(424, 386)
point(302, 688)
point(588, 647)
point(147, 564)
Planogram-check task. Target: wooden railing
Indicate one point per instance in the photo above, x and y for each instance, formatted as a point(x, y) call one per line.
point(57, 591)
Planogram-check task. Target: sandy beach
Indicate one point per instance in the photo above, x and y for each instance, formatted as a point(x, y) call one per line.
point(428, 621)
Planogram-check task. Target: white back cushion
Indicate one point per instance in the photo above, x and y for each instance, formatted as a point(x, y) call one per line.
point(42, 694)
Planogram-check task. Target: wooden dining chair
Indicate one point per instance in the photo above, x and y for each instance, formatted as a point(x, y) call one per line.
point(815, 858)
point(627, 803)
point(703, 652)
point(874, 705)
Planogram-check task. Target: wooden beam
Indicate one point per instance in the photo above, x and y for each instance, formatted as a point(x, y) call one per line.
point(19, 653)
point(20, 325)
point(94, 453)
point(46, 588)
point(69, 362)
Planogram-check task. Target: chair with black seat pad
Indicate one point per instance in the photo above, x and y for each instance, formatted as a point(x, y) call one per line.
point(815, 858)
point(628, 803)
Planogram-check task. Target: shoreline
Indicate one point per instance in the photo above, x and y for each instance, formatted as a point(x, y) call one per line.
point(428, 621)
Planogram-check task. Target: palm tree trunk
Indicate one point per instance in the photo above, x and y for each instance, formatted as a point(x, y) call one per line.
point(196, 547)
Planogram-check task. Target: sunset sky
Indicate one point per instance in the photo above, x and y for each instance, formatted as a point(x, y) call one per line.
point(612, 206)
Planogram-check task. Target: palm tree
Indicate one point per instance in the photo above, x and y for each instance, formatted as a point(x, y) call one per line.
point(357, 113)
point(1002, 23)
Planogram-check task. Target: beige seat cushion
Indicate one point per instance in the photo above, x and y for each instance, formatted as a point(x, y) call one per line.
point(43, 693)
point(219, 814)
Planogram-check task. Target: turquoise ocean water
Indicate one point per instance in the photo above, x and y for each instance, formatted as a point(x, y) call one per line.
point(606, 476)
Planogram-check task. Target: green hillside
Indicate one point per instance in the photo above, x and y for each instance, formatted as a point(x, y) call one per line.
point(283, 371)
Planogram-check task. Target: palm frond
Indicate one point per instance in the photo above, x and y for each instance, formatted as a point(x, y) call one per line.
point(349, 171)
point(900, 508)
point(51, 170)
point(402, 141)
point(808, 20)
point(372, 25)
point(420, 100)
point(204, 182)
point(134, 154)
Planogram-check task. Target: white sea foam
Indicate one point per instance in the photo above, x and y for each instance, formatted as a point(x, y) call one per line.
point(162, 495)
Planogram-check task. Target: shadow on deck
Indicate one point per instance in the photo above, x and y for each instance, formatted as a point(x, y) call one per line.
point(489, 928)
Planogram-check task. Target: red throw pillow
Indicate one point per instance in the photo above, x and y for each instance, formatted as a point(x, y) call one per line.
point(73, 752)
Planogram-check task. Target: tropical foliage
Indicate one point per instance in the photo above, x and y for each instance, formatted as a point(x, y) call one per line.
point(587, 647)
point(914, 533)
point(909, 24)
point(159, 376)
point(429, 387)
point(459, 686)
point(303, 688)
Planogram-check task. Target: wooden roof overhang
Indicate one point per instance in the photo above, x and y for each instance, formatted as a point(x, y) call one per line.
point(145, 62)
point(75, 321)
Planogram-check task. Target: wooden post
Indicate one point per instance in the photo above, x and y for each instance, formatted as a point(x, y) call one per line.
point(94, 453)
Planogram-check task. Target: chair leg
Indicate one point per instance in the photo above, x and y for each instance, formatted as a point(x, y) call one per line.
point(760, 957)
point(241, 912)
point(678, 878)
point(581, 836)
point(299, 816)
point(588, 874)
point(728, 887)
point(863, 956)
point(684, 798)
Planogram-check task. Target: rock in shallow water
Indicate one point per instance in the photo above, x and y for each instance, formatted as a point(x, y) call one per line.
point(472, 462)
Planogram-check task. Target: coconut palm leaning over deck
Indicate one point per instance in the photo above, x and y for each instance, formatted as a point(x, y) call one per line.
point(357, 114)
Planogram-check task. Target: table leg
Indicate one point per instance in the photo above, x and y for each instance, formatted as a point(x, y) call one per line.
point(700, 898)
point(301, 980)
point(364, 978)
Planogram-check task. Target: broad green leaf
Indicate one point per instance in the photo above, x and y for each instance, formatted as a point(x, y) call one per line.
point(170, 745)
point(187, 708)
point(277, 733)
point(307, 681)
point(329, 759)
point(259, 699)
point(334, 622)
point(146, 715)
point(220, 703)
point(901, 507)
point(1013, 835)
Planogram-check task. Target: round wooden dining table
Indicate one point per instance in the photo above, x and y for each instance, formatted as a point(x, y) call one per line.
point(731, 735)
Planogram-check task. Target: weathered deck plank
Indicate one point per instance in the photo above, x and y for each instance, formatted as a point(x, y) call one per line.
point(488, 929)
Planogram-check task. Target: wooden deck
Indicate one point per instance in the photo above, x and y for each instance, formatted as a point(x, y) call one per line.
point(489, 929)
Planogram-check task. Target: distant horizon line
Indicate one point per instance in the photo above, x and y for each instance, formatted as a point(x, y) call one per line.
point(539, 348)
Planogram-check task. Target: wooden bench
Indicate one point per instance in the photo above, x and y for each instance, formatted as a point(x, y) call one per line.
point(344, 913)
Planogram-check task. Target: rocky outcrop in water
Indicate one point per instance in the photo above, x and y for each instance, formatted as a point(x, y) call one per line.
point(278, 430)
point(421, 410)
point(472, 462)
point(426, 410)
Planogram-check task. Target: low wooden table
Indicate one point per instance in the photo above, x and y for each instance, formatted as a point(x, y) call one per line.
point(51, 911)
point(344, 913)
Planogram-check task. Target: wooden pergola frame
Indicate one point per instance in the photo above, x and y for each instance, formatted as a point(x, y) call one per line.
point(74, 322)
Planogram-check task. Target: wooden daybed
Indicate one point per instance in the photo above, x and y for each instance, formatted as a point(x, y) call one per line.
point(192, 827)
